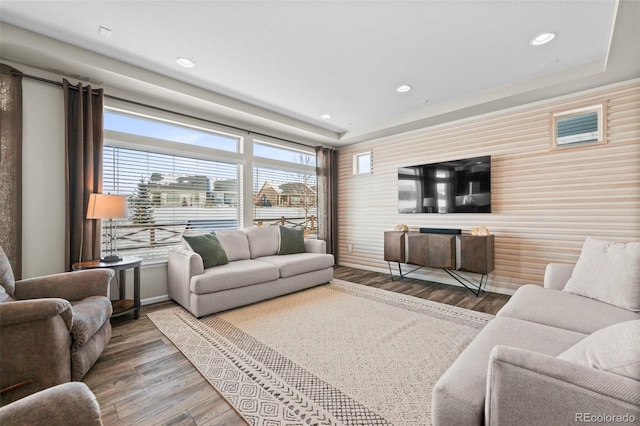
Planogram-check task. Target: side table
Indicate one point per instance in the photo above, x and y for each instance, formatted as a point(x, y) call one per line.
point(122, 306)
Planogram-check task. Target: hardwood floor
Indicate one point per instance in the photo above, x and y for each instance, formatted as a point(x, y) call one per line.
point(142, 379)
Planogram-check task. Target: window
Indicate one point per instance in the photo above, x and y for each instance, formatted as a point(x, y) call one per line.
point(168, 192)
point(579, 126)
point(284, 185)
point(362, 163)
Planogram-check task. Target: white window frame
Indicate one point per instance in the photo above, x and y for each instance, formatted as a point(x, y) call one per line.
point(356, 163)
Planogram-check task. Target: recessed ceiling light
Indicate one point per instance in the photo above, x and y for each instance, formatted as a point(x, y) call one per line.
point(326, 116)
point(543, 38)
point(185, 62)
point(404, 88)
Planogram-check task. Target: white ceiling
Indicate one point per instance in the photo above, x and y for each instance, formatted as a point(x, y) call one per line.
point(289, 62)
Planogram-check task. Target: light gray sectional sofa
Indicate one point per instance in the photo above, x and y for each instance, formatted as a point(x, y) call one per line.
point(254, 272)
point(559, 355)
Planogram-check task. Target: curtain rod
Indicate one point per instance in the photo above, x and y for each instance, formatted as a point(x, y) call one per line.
point(181, 114)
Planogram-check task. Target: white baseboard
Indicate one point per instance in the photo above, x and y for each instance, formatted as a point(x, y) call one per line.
point(156, 299)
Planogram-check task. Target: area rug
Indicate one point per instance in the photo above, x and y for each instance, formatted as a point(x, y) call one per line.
point(337, 354)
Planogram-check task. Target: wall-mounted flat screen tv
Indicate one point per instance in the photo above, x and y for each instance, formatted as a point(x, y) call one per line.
point(458, 186)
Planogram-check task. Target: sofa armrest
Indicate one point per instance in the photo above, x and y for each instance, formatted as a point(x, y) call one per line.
point(315, 246)
point(71, 286)
point(556, 275)
point(69, 404)
point(537, 389)
point(183, 264)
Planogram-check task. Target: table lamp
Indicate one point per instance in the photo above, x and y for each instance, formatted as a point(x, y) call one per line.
point(107, 206)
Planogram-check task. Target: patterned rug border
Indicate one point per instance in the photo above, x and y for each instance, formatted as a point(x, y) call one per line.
point(257, 392)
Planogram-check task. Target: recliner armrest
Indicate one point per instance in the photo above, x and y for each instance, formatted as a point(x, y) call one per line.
point(67, 285)
point(537, 389)
point(21, 311)
point(556, 275)
point(70, 404)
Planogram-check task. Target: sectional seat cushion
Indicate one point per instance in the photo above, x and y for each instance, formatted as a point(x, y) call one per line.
point(263, 240)
point(609, 272)
point(458, 396)
point(236, 274)
point(615, 349)
point(300, 263)
point(235, 244)
point(562, 309)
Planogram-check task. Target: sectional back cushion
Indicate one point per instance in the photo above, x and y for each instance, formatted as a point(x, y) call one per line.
point(291, 241)
point(608, 272)
point(235, 243)
point(209, 248)
point(615, 349)
point(7, 280)
point(263, 241)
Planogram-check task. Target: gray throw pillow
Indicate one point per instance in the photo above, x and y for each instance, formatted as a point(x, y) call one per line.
point(209, 248)
point(291, 241)
point(615, 349)
point(608, 272)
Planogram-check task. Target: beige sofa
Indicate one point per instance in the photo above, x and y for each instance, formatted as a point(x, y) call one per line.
point(549, 357)
point(255, 271)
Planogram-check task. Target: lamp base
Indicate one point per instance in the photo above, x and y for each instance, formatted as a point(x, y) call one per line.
point(110, 258)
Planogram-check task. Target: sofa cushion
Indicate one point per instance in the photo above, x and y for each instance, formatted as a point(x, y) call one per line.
point(291, 241)
point(236, 274)
point(564, 310)
point(615, 349)
point(458, 396)
point(89, 315)
point(609, 272)
point(263, 240)
point(299, 263)
point(209, 248)
point(235, 244)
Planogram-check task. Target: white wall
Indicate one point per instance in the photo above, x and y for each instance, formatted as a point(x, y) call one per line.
point(43, 198)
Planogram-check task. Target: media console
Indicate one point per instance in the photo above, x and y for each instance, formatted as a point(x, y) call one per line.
point(450, 251)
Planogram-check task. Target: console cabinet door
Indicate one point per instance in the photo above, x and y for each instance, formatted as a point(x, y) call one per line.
point(442, 251)
point(475, 254)
point(418, 249)
point(394, 246)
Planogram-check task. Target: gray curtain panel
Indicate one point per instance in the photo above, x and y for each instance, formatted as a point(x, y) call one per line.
point(326, 170)
point(84, 143)
point(11, 166)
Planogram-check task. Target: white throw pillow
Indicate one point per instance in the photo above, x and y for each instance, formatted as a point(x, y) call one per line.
point(235, 243)
point(615, 349)
point(609, 272)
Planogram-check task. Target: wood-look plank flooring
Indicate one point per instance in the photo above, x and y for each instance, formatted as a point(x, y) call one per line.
point(142, 379)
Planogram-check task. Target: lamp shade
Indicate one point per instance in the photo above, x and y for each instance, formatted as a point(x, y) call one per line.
point(107, 206)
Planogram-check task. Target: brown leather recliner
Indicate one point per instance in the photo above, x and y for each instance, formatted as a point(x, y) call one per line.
point(52, 328)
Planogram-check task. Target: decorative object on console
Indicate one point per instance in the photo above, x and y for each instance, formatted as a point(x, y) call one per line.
point(107, 206)
point(402, 228)
point(480, 231)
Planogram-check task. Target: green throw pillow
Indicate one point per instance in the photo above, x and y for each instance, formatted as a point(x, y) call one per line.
point(209, 248)
point(291, 241)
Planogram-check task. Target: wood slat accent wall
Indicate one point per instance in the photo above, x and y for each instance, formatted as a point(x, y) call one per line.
point(545, 201)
